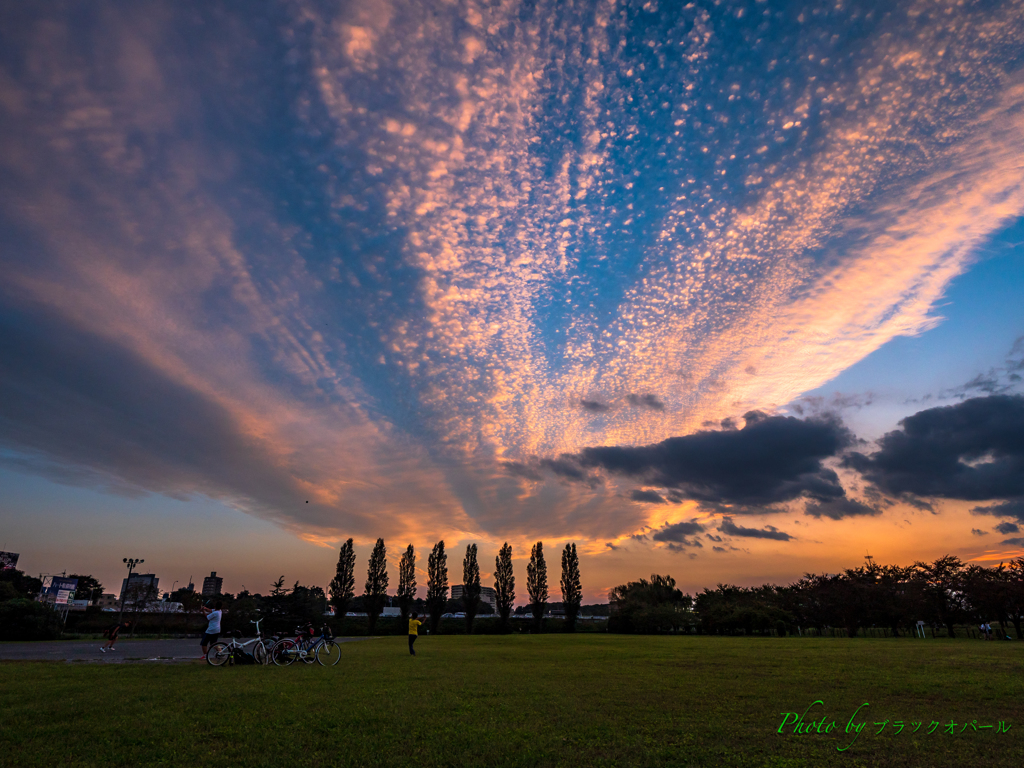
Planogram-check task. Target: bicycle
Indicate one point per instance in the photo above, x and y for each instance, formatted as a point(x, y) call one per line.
point(220, 652)
point(323, 649)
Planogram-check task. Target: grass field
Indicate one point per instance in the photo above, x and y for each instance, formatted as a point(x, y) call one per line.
point(529, 701)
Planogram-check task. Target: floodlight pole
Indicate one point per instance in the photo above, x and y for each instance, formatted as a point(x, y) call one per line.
point(131, 563)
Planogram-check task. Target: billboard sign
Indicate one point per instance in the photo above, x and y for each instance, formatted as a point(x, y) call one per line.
point(8, 560)
point(63, 589)
point(58, 590)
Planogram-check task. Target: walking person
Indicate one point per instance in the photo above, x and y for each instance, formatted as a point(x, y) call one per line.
point(111, 635)
point(414, 631)
point(212, 628)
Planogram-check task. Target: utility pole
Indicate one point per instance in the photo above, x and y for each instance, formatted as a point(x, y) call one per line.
point(131, 563)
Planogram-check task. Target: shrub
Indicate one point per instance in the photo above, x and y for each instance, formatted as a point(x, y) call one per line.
point(28, 620)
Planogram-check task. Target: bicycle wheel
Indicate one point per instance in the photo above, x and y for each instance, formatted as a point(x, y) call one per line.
point(328, 654)
point(218, 654)
point(259, 652)
point(284, 652)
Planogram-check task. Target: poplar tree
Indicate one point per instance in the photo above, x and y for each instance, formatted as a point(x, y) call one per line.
point(437, 584)
point(407, 581)
point(343, 585)
point(572, 591)
point(470, 587)
point(504, 584)
point(537, 583)
point(376, 593)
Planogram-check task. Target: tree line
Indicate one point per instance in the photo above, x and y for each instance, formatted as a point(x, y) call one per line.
point(375, 592)
point(946, 593)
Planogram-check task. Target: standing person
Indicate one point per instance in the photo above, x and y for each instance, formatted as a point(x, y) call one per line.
point(112, 634)
point(212, 628)
point(414, 631)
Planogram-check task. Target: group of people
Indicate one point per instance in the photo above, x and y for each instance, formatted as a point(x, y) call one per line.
point(986, 631)
point(210, 636)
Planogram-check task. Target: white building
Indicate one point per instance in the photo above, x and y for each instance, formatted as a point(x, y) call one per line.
point(487, 595)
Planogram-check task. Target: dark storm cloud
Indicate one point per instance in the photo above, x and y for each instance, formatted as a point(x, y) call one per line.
point(973, 450)
point(924, 506)
point(82, 410)
point(1013, 508)
point(772, 459)
point(1005, 528)
point(1017, 541)
point(729, 528)
point(651, 497)
point(646, 401)
point(837, 509)
point(678, 532)
point(979, 532)
point(594, 407)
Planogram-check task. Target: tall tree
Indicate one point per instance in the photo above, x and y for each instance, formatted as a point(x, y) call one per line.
point(470, 587)
point(572, 590)
point(537, 584)
point(1015, 579)
point(944, 590)
point(278, 589)
point(343, 586)
point(437, 584)
point(376, 594)
point(504, 584)
point(407, 581)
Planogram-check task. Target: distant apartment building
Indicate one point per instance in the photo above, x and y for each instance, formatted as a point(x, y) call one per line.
point(213, 585)
point(107, 601)
point(138, 581)
point(487, 595)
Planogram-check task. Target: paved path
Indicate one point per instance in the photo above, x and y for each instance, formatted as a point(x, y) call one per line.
point(132, 651)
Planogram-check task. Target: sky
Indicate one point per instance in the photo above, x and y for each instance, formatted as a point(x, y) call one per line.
point(725, 290)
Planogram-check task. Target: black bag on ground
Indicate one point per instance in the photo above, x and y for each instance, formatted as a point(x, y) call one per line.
point(238, 656)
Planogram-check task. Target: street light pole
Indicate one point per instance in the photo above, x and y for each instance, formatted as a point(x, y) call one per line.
point(131, 563)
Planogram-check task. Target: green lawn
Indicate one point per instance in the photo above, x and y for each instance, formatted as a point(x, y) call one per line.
point(529, 701)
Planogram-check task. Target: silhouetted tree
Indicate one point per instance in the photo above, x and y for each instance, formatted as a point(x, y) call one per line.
point(24, 586)
point(988, 594)
point(304, 605)
point(437, 584)
point(470, 587)
point(376, 593)
point(1015, 582)
point(407, 581)
point(537, 584)
point(504, 584)
point(572, 590)
point(648, 607)
point(343, 586)
point(278, 589)
point(943, 590)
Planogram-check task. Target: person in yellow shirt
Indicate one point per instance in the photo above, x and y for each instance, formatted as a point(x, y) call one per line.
point(414, 631)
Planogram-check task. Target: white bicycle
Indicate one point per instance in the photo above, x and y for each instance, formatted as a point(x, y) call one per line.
point(221, 653)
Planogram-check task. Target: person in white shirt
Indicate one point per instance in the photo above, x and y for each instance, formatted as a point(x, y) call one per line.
point(213, 627)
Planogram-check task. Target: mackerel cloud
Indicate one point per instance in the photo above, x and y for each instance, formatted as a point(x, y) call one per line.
point(368, 254)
